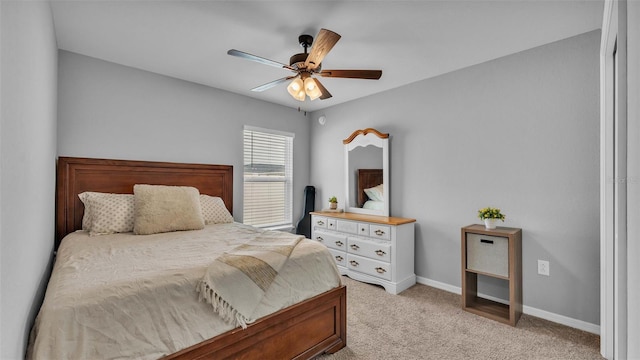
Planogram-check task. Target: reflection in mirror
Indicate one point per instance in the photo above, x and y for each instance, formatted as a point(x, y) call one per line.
point(367, 175)
point(365, 171)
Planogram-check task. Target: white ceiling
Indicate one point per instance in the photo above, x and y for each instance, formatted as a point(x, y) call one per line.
point(408, 40)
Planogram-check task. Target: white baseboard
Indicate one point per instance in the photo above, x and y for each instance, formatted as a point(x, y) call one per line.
point(560, 319)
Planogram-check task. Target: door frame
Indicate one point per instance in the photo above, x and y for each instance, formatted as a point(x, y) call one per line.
point(613, 186)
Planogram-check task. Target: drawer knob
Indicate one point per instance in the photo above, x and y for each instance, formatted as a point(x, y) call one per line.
point(363, 229)
point(355, 247)
point(381, 253)
point(379, 232)
point(319, 238)
point(320, 222)
point(381, 270)
point(330, 224)
point(339, 258)
point(339, 243)
point(353, 263)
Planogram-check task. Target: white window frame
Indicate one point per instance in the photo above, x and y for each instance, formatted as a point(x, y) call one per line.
point(286, 222)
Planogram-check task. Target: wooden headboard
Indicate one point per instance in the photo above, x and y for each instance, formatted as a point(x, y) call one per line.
point(76, 175)
point(367, 178)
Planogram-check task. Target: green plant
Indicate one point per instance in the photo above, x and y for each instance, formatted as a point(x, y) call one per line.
point(333, 199)
point(490, 213)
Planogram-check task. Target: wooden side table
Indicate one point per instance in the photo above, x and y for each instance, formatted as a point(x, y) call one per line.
point(495, 253)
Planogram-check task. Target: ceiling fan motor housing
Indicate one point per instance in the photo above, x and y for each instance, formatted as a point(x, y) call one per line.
point(297, 60)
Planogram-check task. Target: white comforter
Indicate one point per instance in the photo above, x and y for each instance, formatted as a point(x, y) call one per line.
point(130, 296)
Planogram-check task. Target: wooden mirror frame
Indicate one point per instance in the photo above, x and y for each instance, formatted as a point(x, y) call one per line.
point(363, 138)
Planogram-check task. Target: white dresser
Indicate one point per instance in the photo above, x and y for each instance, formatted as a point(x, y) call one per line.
point(373, 249)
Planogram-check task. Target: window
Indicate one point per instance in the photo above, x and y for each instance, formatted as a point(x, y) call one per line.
point(268, 178)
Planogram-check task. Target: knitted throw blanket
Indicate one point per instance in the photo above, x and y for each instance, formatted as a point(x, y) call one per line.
point(235, 283)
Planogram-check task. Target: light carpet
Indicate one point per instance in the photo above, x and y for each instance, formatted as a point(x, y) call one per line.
point(428, 323)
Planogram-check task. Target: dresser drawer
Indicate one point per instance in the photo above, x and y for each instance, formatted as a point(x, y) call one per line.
point(320, 222)
point(331, 240)
point(488, 254)
point(379, 231)
point(339, 256)
point(331, 224)
point(369, 266)
point(370, 249)
point(348, 226)
point(363, 229)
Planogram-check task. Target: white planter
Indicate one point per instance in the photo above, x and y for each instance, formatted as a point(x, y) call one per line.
point(490, 223)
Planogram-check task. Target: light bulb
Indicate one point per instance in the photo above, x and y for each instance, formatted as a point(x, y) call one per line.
point(309, 84)
point(300, 95)
point(312, 88)
point(295, 87)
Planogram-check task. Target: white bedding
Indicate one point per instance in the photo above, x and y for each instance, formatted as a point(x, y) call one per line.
point(131, 296)
point(373, 205)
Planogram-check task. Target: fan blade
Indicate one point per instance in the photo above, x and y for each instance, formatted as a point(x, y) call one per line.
point(244, 55)
point(352, 74)
point(325, 93)
point(323, 43)
point(271, 84)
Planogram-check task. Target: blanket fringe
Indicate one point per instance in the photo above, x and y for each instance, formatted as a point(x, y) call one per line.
point(221, 306)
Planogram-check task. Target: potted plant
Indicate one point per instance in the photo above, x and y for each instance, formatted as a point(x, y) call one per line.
point(333, 203)
point(490, 215)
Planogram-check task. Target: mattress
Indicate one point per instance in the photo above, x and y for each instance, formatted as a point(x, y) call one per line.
point(131, 296)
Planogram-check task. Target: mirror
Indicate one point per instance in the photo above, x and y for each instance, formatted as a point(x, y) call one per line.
point(366, 154)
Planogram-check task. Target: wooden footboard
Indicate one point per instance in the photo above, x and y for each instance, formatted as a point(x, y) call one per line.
point(301, 331)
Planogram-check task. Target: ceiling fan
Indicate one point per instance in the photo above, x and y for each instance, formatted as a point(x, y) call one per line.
point(305, 65)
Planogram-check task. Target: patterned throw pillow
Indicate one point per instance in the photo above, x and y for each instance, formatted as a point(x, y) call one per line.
point(107, 213)
point(86, 217)
point(214, 211)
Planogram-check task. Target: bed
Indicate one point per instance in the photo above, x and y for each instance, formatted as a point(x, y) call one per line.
point(301, 330)
point(369, 190)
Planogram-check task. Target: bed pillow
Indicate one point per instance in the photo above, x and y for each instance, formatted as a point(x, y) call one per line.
point(214, 211)
point(375, 193)
point(160, 208)
point(373, 205)
point(106, 213)
point(86, 217)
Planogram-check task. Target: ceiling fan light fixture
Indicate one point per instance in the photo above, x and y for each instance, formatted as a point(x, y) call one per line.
point(296, 89)
point(311, 88)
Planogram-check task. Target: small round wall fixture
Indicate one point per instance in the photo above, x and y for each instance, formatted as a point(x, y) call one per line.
point(322, 120)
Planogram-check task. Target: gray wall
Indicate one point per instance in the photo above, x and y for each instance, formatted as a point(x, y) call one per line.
point(27, 167)
point(520, 133)
point(106, 110)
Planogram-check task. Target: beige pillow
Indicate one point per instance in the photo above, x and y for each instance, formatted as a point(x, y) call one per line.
point(160, 208)
point(214, 211)
point(107, 213)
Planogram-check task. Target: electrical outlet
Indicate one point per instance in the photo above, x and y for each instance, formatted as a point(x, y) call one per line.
point(543, 267)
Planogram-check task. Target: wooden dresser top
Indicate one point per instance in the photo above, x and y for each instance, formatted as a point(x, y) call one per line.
point(387, 220)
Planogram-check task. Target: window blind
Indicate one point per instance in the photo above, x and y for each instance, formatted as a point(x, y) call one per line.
point(268, 178)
